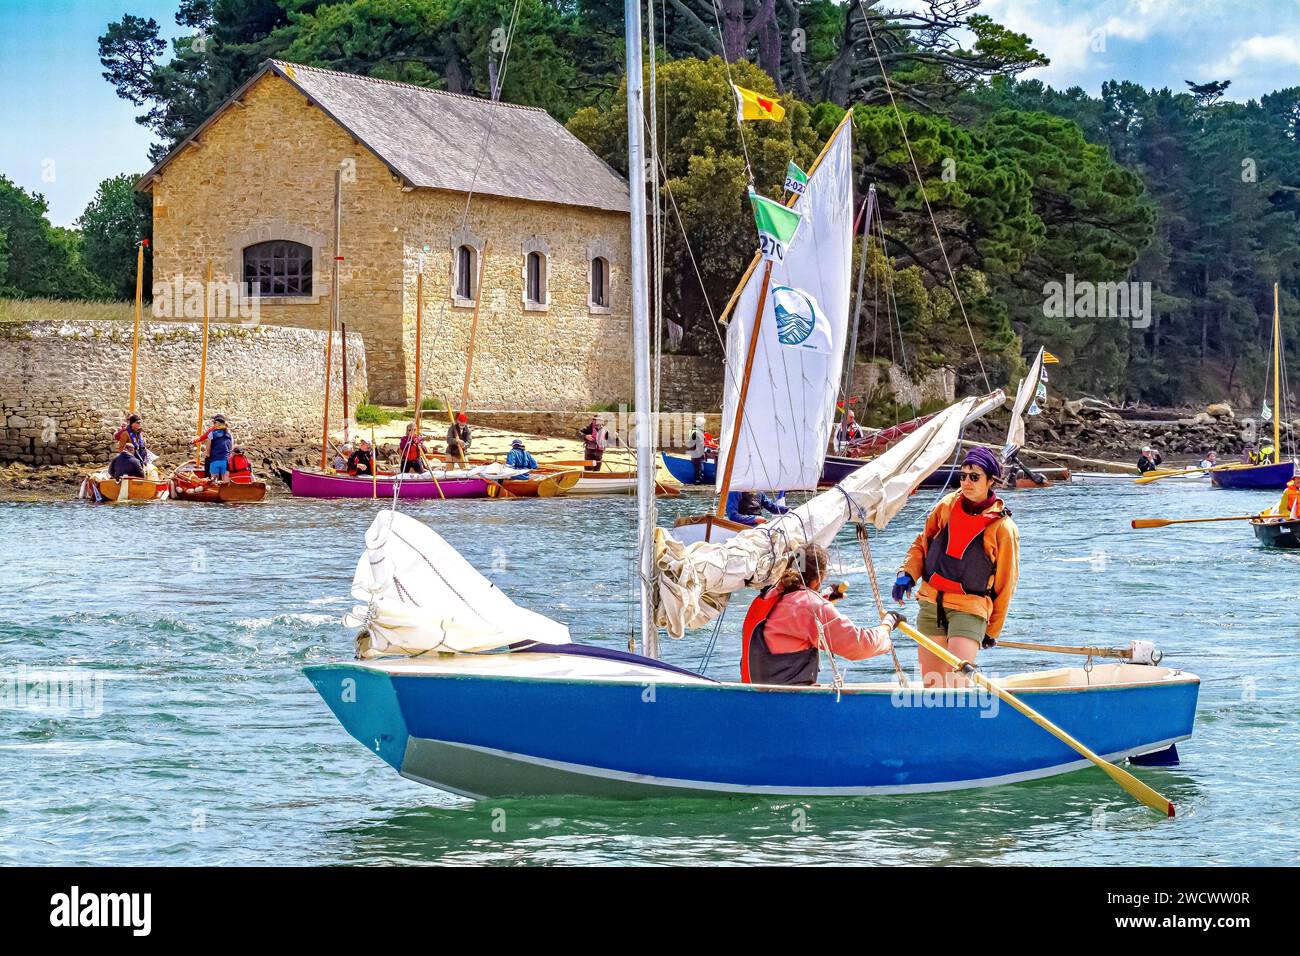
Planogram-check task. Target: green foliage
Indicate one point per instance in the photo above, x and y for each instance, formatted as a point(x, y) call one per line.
point(368, 414)
point(114, 222)
point(40, 260)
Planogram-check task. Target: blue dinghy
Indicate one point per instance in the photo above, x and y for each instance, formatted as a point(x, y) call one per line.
point(680, 467)
point(619, 725)
point(1270, 477)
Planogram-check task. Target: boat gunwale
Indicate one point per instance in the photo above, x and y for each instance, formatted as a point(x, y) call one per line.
point(1173, 677)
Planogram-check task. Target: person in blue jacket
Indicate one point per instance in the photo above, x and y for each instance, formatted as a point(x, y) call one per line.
point(519, 457)
point(747, 507)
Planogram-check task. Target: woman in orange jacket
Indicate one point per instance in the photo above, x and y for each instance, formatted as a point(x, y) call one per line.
point(968, 561)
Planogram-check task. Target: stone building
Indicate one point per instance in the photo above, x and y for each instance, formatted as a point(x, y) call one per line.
point(430, 180)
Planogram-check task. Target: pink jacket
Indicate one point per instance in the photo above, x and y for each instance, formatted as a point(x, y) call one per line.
point(792, 626)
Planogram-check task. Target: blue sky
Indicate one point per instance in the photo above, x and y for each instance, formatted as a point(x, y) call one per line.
point(63, 128)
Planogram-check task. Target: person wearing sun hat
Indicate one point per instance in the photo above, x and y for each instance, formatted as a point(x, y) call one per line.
point(967, 559)
point(520, 458)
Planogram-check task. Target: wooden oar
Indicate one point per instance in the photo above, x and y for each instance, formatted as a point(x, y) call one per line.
point(1150, 476)
point(1162, 522)
point(1131, 784)
point(1123, 653)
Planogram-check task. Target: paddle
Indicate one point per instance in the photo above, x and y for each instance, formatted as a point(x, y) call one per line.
point(1162, 522)
point(1148, 478)
point(1131, 784)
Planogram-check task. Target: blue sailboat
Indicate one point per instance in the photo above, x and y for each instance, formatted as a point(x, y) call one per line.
point(457, 687)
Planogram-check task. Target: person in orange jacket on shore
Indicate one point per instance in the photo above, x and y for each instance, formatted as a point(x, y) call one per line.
point(968, 562)
point(791, 622)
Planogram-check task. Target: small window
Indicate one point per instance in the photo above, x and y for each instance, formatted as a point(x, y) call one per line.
point(600, 282)
point(535, 279)
point(466, 272)
point(278, 267)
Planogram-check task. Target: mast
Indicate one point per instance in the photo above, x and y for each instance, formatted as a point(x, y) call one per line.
point(334, 314)
point(347, 408)
point(744, 391)
point(419, 323)
point(203, 361)
point(135, 337)
point(645, 464)
point(857, 308)
point(1277, 374)
point(473, 325)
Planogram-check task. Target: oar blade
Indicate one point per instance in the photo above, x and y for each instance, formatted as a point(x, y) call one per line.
point(1150, 522)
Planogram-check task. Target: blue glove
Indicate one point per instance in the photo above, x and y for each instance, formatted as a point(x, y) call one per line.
point(903, 587)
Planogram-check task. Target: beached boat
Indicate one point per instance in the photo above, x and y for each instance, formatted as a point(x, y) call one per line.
point(1277, 532)
point(682, 468)
point(307, 483)
point(542, 485)
point(99, 487)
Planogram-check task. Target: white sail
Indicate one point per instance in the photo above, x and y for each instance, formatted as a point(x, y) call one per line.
point(1029, 387)
point(694, 581)
point(790, 401)
point(421, 595)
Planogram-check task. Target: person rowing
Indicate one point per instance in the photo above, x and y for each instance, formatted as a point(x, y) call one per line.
point(1210, 460)
point(1149, 460)
point(967, 559)
point(519, 457)
point(791, 622)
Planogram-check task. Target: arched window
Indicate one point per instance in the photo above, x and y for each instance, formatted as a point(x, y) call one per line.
point(466, 272)
point(535, 279)
point(278, 267)
point(600, 282)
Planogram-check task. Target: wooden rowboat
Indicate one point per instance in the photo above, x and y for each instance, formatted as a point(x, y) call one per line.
point(101, 488)
point(542, 486)
point(197, 489)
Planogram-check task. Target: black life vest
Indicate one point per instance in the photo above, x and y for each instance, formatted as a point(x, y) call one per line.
point(758, 665)
point(750, 503)
point(955, 561)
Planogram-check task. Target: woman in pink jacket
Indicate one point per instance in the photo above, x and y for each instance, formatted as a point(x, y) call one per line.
point(790, 623)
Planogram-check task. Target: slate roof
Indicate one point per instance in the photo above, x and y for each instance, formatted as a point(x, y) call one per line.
point(433, 139)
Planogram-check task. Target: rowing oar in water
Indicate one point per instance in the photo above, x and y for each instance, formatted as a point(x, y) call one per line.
point(1161, 522)
point(1135, 787)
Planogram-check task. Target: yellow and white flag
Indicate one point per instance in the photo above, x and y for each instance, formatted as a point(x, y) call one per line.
point(756, 106)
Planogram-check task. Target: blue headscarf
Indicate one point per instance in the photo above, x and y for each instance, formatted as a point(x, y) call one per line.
point(986, 460)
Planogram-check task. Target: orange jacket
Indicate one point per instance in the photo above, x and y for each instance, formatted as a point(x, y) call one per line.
point(1001, 544)
point(1289, 505)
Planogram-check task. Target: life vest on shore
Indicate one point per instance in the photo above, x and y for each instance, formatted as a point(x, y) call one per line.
point(240, 470)
point(758, 665)
point(955, 561)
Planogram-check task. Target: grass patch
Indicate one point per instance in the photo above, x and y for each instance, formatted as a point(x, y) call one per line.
point(60, 310)
point(368, 414)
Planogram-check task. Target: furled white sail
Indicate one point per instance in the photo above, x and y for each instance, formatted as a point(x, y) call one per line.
point(421, 595)
point(790, 401)
point(1026, 396)
point(694, 581)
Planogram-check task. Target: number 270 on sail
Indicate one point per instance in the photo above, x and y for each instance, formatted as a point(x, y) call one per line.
point(771, 248)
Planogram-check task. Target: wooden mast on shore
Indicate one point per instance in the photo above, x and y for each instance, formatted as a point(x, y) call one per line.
point(139, 307)
point(347, 407)
point(419, 350)
point(473, 326)
point(203, 362)
point(334, 311)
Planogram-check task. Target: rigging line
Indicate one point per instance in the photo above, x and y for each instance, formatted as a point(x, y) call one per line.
point(487, 134)
point(740, 126)
point(892, 291)
point(920, 183)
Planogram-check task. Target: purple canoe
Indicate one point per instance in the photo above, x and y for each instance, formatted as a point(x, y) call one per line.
point(315, 484)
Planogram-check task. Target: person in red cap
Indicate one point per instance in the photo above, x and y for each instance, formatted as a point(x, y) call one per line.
point(459, 437)
point(968, 562)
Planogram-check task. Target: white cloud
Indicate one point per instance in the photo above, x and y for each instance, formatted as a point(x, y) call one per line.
point(1281, 49)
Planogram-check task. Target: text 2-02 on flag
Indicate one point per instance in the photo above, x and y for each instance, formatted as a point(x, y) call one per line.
point(776, 224)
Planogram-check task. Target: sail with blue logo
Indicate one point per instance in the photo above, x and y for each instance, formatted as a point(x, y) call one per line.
point(790, 402)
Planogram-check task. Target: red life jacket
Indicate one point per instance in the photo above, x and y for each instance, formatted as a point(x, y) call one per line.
point(758, 665)
point(955, 561)
point(241, 470)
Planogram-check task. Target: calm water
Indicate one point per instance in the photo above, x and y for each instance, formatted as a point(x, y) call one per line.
point(212, 748)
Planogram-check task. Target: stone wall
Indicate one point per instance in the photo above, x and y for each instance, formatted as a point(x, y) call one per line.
point(265, 170)
point(672, 428)
point(64, 386)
